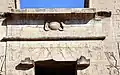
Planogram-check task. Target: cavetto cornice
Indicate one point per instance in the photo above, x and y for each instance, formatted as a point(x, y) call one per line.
point(55, 14)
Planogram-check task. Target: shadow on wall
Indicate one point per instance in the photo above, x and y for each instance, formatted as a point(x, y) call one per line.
point(79, 64)
point(42, 22)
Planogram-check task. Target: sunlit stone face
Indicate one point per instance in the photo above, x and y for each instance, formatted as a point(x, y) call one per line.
point(54, 25)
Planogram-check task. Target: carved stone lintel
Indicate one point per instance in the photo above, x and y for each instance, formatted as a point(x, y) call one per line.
point(98, 18)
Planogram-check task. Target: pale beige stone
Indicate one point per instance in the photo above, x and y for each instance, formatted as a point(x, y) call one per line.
point(104, 54)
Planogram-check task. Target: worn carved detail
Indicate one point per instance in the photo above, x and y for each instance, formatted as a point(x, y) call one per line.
point(2, 61)
point(104, 13)
point(118, 48)
point(25, 64)
point(53, 26)
point(113, 67)
point(83, 63)
point(2, 15)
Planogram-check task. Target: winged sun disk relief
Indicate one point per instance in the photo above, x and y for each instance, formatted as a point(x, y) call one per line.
point(53, 26)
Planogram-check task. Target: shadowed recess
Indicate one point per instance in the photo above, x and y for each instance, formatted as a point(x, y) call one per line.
point(52, 38)
point(51, 67)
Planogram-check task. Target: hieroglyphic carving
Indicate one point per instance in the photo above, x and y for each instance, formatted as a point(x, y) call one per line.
point(118, 46)
point(57, 50)
point(71, 48)
point(113, 65)
point(2, 58)
point(2, 61)
point(53, 26)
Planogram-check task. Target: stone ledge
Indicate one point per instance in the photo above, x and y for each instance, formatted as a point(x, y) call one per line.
point(55, 10)
point(51, 13)
point(52, 38)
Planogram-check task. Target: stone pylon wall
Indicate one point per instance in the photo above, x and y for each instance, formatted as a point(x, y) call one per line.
point(57, 50)
point(7, 5)
point(104, 55)
point(111, 27)
point(13, 4)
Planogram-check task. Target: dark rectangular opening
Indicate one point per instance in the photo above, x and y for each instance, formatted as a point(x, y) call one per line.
point(51, 67)
point(86, 4)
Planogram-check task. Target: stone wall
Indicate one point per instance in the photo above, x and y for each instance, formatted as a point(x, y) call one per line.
point(104, 55)
point(57, 50)
point(2, 49)
point(3, 6)
point(95, 50)
point(71, 28)
point(7, 5)
point(111, 27)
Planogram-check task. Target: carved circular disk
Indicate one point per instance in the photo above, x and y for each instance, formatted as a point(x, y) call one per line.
point(54, 25)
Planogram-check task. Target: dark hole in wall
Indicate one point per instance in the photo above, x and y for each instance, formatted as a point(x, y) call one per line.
point(51, 67)
point(104, 13)
point(15, 4)
point(86, 3)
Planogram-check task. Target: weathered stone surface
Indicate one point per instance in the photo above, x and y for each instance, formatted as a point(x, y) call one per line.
point(57, 50)
point(104, 55)
point(2, 58)
point(92, 28)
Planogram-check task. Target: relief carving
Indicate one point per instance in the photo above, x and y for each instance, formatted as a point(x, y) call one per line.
point(83, 63)
point(53, 26)
point(113, 65)
point(2, 61)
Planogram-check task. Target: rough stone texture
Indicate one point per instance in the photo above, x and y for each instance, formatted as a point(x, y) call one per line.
point(104, 55)
point(102, 4)
point(93, 28)
point(3, 6)
point(57, 50)
point(13, 4)
point(111, 28)
point(7, 5)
